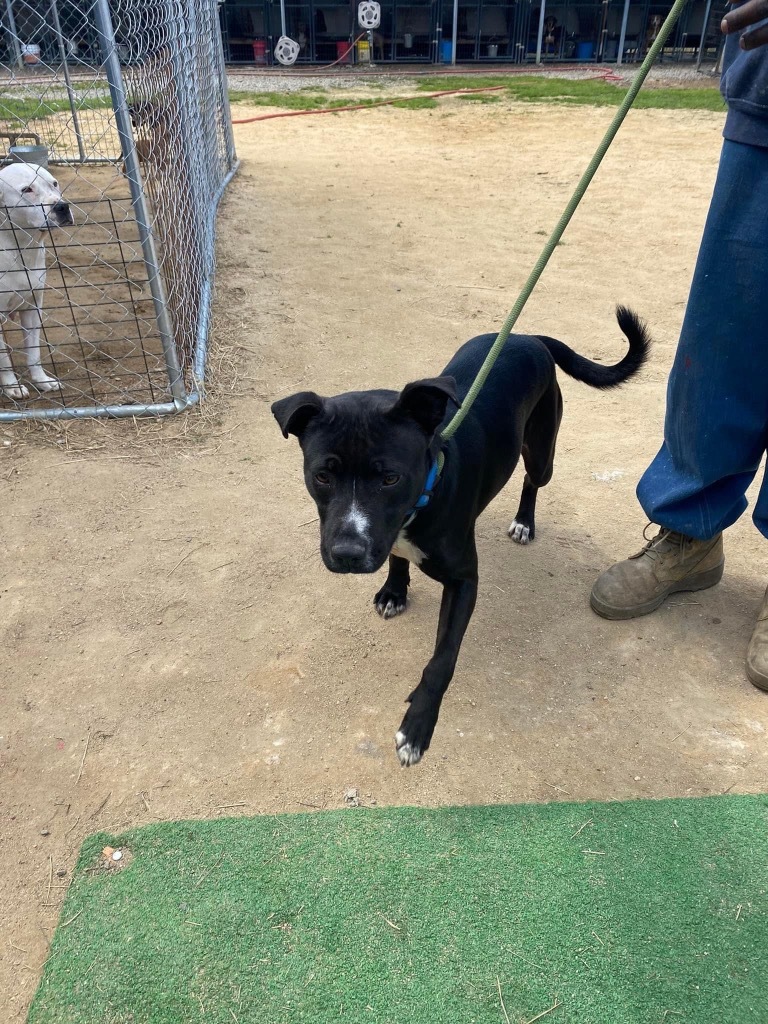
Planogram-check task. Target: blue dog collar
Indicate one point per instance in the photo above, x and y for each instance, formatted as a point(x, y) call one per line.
point(429, 485)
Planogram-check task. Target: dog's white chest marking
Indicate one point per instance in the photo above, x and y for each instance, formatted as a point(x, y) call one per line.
point(404, 548)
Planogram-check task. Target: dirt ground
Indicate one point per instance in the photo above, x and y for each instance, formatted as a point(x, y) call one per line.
point(171, 643)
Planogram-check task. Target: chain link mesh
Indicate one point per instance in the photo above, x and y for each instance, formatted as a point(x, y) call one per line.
point(106, 86)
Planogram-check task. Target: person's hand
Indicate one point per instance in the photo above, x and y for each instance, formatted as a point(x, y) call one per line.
point(742, 17)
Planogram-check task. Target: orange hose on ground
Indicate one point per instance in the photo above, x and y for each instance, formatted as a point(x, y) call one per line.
point(364, 106)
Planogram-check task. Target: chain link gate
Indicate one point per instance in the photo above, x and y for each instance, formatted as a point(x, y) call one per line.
point(127, 102)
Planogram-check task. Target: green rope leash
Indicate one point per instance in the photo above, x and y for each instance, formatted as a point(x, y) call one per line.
point(562, 224)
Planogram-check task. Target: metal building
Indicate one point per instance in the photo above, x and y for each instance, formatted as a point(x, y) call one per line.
point(487, 31)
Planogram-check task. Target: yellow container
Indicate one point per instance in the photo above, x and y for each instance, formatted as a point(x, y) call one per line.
point(363, 52)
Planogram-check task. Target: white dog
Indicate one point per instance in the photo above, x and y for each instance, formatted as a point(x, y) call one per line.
point(30, 203)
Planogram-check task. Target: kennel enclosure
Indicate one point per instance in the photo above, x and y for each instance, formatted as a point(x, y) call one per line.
point(127, 101)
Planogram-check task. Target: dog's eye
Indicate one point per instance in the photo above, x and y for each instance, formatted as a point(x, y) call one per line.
point(55, 184)
point(390, 479)
point(322, 477)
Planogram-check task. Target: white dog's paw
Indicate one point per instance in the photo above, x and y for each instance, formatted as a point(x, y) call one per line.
point(408, 753)
point(16, 391)
point(519, 533)
point(43, 382)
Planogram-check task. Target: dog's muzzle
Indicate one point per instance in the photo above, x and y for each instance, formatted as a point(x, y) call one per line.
point(61, 215)
point(348, 554)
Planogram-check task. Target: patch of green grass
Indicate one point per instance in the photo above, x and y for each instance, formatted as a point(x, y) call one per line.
point(285, 100)
point(481, 97)
point(436, 83)
point(30, 109)
point(527, 88)
point(533, 89)
point(97, 83)
point(645, 911)
point(312, 101)
point(417, 103)
point(293, 100)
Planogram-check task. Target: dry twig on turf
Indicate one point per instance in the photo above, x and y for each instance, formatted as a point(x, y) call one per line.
point(501, 1000)
point(530, 962)
point(545, 1012)
point(582, 827)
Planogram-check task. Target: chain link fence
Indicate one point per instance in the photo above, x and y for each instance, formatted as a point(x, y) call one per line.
point(125, 102)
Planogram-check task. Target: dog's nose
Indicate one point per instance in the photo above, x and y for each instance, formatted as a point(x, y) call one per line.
point(349, 553)
point(62, 211)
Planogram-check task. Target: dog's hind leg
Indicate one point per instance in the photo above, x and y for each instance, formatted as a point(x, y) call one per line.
point(538, 457)
point(9, 382)
point(31, 322)
point(391, 600)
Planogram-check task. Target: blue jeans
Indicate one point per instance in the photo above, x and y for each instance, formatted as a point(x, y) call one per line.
point(716, 427)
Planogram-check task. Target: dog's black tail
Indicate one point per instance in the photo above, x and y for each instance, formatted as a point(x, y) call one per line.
point(595, 374)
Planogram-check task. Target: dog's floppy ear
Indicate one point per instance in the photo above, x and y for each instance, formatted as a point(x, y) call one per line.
point(426, 400)
point(295, 412)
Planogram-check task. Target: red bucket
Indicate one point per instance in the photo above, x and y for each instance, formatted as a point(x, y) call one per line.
point(259, 51)
point(344, 53)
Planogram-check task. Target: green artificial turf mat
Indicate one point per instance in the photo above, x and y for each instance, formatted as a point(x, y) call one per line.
point(622, 913)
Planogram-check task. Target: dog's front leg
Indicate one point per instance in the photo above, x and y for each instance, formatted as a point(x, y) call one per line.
point(31, 322)
point(9, 383)
point(415, 733)
point(392, 598)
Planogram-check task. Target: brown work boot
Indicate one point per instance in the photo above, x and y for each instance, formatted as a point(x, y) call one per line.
point(757, 652)
point(669, 562)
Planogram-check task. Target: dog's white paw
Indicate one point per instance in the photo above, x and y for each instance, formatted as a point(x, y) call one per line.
point(406, 752)
point(389, 609)
point(390, 601)
point(519, 533)
point(45, 383)
point(15, 391)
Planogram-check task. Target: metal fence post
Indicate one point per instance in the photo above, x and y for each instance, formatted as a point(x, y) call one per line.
point(623, 33)
point(540, 36)
point(229, 137)
point(67, 80)
point(13, 32)
point(704, 34)
point(454, 31)
point(106, 34)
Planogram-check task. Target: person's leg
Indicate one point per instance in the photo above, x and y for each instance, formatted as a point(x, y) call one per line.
point(717, 399)
point(717, 402)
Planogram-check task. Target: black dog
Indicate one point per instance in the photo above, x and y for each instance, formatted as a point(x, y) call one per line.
point(371, 465)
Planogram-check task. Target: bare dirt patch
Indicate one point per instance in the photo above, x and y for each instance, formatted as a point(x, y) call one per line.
point(172, 645)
